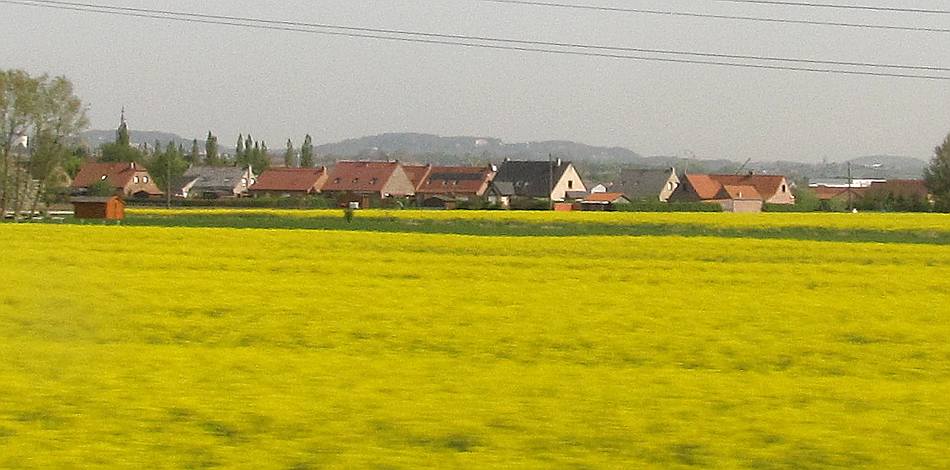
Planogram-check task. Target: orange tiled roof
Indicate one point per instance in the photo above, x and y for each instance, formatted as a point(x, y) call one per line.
point(289, 179)
point(360, 176)
point(456, 180)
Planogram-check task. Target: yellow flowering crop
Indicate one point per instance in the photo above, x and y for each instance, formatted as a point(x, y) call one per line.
point(868, 221)
point(135, 347)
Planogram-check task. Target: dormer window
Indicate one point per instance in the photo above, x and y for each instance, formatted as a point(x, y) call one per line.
point(356, 180)
point(336, 180)
point(373, 181)
point(103, 178)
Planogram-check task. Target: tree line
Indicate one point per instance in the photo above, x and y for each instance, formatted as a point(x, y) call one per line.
point(40, 149)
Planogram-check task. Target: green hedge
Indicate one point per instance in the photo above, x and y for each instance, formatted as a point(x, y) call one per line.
point(650, 206)
point(311, 202)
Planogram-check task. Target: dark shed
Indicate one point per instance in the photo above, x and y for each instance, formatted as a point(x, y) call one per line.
point(108, 207)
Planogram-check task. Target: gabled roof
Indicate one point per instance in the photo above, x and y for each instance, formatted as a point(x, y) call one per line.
point(713, 187)
point(214, 177)
point(531, 178)
point(417, 174)
point(825, 193)
point(705, 187)
point(644, 183)
point(605, 198)
point(502, 188)
point(740, 193)
point(767, 185)
point(117, 174)
point(456, 180)
point(360, 176)
point(289, 179)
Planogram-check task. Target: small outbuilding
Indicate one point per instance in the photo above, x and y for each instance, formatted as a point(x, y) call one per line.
point(89, 207)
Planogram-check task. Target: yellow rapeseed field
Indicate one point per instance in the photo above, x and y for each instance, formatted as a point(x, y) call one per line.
point(867, 221)
point(137, 347)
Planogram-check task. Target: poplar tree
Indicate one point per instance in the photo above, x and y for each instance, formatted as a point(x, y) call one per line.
point(290, 160)
point(194, 157)
point(306, 152)
point(239, 149)
point(211, 150)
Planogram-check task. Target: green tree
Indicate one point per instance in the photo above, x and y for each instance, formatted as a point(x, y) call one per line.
point(239, 150)
point(167, 167)
point(211, 150)
point(121, 150)
point(290, 155)
point(306, 152)
point(194, 157)
point(101, 188)
point(43, 113)
point(937, 176)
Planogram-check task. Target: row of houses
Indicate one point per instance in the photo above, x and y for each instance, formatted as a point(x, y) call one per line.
point(369, 182)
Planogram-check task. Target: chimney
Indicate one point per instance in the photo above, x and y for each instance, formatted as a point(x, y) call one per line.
point(132, 165)
point(558, 161)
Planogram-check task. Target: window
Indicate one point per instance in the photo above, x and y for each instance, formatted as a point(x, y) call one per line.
point(373, 181)
point(135, 179)
point(336, 180)
point(103, 178)
point(145, 179)
point(570, 184)
point(784, 188)
point(356, 180)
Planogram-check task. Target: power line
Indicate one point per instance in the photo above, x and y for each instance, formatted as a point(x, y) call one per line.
point(840, 6)
point(457, 40)
point(501, 40)
point(672, 13)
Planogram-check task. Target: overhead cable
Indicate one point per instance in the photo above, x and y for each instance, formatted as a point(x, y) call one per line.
point(494, 43)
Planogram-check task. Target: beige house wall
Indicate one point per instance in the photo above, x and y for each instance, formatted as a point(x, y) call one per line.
point(399, 184)
point(783, 195)
point(670, 187)
point(570, 181)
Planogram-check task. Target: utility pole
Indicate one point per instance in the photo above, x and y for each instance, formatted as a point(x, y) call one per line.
point(850, 190)
point(551, 180)
point(168, 180)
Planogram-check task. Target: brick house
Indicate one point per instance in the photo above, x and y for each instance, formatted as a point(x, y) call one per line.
point(367, 182)
point(289, 182)
point(735, 193)
point(129, 179)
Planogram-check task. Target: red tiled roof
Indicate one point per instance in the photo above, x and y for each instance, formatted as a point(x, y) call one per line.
point(456, 180)
point(705, 187)
point(825, 193)
point(901, 188)
point(604, 197)
point(741, 193)
point(365, 176)
point(289, 179)
point(766, 185)
point(417, 174)
point(118, 174)
point(711, 187)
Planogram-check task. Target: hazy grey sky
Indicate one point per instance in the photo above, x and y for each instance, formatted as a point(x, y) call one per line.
point(188, 78)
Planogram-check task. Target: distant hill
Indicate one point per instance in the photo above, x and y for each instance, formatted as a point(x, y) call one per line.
point(469, 148)
point(597, 163)
point(96, 138)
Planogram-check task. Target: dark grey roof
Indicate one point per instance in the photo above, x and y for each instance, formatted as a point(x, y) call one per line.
point(643, 184)
point(503, 188)
point(213, 177)
point(531, 178)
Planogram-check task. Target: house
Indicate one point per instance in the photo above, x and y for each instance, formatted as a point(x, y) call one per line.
point(457, 182)
point(601, 188)
point(289, 182)
point(603, 201)
point(735, 193)
point(541, 179)
point(706, 188)
point(648, 184)
point(831, 196)
point(108, 208)
point(368, 181)
point(417, 174)
point(500, 193)
point(899, 189)
point(128, 179)
point(208, 182)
